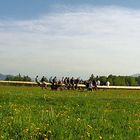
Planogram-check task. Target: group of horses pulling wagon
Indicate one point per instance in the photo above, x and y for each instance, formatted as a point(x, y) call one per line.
point(60, 86)
point(67, 84)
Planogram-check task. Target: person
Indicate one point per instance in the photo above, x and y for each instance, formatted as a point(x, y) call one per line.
point(72, 83)
point(55, 80)
point(90, 86)
point(51, 80)
point(98, 82)
point(65, 82)
point(62, 80)
point(108, 83)
point(68, 83)
point(54, 85)
point(42, 79)
point(76, 81)
point(36, 80)
point(43, 82)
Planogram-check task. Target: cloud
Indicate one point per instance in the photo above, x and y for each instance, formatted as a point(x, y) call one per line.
point(99, 40)
point(94, 22)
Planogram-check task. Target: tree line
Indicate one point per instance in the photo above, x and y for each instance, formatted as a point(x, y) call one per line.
point(18, 78)
point(113, 79)
point(119, 80)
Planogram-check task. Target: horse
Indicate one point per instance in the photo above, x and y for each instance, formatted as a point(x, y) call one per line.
point(42, 84)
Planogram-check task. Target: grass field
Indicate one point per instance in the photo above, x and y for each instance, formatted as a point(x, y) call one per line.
point(29, 113)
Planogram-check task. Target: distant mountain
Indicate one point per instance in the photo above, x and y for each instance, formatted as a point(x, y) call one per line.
point(136, 75)
point(2, 76)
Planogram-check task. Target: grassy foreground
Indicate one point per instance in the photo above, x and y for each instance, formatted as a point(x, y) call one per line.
point(29, 113)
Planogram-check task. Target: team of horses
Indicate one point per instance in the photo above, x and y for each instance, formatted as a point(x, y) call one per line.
point(62, 86)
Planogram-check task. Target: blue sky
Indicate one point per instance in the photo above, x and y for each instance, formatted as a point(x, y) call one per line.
point(33, 8)
point(69, 37)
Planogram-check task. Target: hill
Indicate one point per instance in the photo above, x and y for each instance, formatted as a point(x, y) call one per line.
point(2, 76)
point(136, 75)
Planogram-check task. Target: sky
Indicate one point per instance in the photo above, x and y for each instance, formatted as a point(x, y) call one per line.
point(69, 37)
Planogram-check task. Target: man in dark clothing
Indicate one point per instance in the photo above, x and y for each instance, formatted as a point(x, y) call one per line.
point(51, 80)
point(72, 83)
point(36, 80)
point(43, 82)
point(54, 80)
point(94, 84)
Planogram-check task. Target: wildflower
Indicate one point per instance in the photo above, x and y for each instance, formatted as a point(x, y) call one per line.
point(88, 134)
point(89, 126)
point(26, 130)
point(12, 118)
point(137, 115)
point(78, 119)
point(9, 124)
point(100, 137)
point(37, 129)
point(50, 131)
point(130, 128)
point(44, 135)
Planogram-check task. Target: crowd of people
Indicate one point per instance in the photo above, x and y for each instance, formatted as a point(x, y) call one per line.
point(68, 83)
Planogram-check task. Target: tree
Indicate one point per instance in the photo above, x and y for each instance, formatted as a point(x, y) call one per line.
point(103, 80)
point(131, 81)
point(92, 78)
point(138, 80)
point(18, 78)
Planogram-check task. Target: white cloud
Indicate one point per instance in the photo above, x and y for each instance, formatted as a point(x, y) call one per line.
point(98, 40)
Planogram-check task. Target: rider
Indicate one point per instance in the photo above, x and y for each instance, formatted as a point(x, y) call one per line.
point(90, 86)
point(36, 80)
point(72, 83)
point(51, 80)
point(43, 82)
point(55, 80)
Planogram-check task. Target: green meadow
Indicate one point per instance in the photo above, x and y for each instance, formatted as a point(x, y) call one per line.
point(30, 113)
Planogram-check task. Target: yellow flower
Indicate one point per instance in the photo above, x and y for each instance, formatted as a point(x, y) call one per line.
point(100, 137)
point(26, 130)
point(37, 129)
point(88, 134)
point(89, 126)
point(50, 131)
point(78, 119)
point(12, 118)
